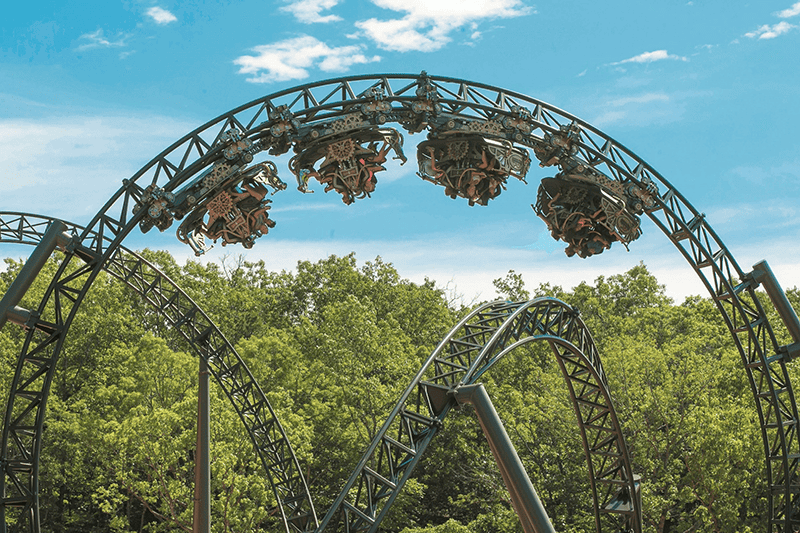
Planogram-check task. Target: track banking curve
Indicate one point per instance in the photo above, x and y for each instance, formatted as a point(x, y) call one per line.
point(275, 122)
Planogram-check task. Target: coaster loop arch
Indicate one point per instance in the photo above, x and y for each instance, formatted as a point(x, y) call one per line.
point(277, 122)
point(181, 313)
point(472, 348)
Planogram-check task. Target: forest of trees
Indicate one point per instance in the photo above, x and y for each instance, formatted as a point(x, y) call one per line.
point(333, 344)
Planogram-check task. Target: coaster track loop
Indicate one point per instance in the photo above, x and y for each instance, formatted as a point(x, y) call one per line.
point(472, 348)
point(203, 336)
point(294, 117)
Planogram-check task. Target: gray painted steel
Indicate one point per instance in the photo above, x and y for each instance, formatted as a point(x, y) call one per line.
point(763, 274)
point(202, 460)
point(228, 369)
point(473, 347)
point(297, 116)
point(527, 504)
point(52, 238)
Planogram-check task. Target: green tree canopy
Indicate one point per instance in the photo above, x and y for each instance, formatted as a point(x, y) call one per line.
point(332, 344)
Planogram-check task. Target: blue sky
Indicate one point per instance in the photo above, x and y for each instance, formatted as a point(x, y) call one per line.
point(707, 92)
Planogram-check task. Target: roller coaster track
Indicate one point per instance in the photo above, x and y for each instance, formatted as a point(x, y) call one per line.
point(471, 348)
point(544, 319)
point(274, 122)
point(231, 373)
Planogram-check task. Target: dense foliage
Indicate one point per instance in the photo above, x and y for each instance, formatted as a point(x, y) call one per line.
point(333, 344)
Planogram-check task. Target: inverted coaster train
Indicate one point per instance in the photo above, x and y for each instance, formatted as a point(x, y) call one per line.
point(478, 136)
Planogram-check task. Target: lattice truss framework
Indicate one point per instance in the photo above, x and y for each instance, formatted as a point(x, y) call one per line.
point(545, 319)
point(275, 122)
point(231, 373)
point(470, 349)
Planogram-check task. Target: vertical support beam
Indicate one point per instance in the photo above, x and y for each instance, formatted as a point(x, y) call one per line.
point(526, 502)
point(202, 458)
point(2, 496)
point(54, 236)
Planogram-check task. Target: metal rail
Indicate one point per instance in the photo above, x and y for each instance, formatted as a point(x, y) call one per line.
point(276, 122)
point(470, 349)
point(226, 366)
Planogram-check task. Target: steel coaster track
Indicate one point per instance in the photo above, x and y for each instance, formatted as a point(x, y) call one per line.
point(181, 313)
point(295, 116)
point(470, 349)
point(602, 436)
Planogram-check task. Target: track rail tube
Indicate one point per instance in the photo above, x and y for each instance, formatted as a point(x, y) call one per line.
point(526, 502)
point(318, 105)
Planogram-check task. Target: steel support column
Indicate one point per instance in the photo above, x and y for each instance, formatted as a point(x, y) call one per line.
point(53, 237)
point(202, 458)
point(224, 364)
point(526, 502)
point(310, 116)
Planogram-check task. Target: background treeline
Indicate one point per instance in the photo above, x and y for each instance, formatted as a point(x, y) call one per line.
point(333, 345)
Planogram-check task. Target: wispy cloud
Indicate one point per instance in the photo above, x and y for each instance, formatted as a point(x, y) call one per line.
point(638, 107)
point(97, 39)
point(161, 16)
point(640, 99)
point(770, 32)
point(73, 163)
point(309, 11)
point(649, 107)
point(786, 174)
point(767, 31)
point(305, 207)
point(291, 59)
point(650, 57)
point(790, 12)
point(468, 269)
point(427, 26)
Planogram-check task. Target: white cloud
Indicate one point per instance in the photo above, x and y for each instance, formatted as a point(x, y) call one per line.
point(426, 27)
point(290, 59)
point(160, 15)
point(67, 166)
point(770, 32)
point(760, 237)
point(304, 207)
point(98, 40)
point(786, 173)
point(641, 99)
point(649, 57)
point(309, 11)
point(790, 12)
point(640, 110)
point(636, 110)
